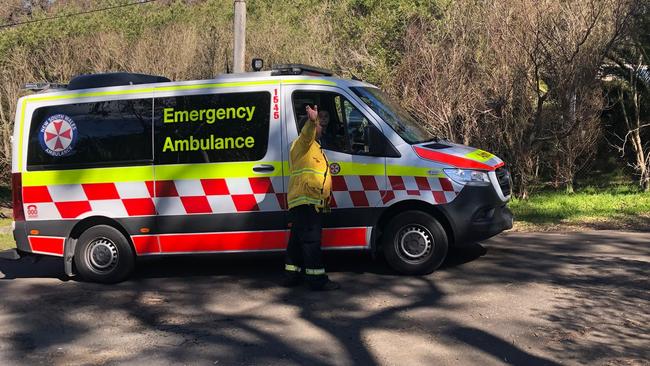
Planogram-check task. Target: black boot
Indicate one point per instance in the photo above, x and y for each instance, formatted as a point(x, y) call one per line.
point(325, 286)
point(292, 280)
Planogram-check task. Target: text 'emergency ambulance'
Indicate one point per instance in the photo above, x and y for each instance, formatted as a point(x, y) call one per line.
point(209, 116)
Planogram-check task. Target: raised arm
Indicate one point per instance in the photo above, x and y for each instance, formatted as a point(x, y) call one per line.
point(308, 133)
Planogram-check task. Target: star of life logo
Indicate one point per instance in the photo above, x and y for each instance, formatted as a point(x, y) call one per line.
point(58, 135)
point(335, 168)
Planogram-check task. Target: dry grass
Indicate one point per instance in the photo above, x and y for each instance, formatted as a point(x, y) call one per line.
point(6, 237)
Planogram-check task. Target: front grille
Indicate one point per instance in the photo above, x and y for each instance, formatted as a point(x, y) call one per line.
point(503, 177)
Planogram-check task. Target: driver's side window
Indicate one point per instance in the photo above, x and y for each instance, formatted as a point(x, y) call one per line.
point(345, 128)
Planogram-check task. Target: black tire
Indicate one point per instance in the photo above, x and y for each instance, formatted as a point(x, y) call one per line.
point(414, 243)
point(103, 255)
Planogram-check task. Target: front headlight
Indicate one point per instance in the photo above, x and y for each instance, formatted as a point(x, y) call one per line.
point(468, 176)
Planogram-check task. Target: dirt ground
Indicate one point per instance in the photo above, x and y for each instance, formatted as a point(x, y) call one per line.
point(520, 298)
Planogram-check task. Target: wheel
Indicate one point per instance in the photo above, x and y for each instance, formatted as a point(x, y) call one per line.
point(414, 243)
point(103, 255)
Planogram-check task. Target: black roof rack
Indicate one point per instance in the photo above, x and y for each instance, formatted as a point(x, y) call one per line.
point(299, 69)
point(113, 79)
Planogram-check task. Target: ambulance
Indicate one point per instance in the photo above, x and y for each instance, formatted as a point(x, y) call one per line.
point(112, 167)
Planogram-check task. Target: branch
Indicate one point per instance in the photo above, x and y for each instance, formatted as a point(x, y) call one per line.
point(632, 131)
point(621, 25)
point(588, 32)
point(618, 148)
point(558, 136)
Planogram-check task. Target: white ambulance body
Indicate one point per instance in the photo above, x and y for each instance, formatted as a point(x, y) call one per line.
point(102, 174)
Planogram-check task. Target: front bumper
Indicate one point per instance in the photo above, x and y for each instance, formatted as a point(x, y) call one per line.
point(476, 214)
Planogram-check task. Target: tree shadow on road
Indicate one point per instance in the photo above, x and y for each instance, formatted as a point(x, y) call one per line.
point(229, 310)
point(600, 281)
point(243, 265)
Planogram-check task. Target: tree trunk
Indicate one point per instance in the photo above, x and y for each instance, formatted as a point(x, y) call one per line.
point(569, 187)
point(637, 143)
point(634, 131)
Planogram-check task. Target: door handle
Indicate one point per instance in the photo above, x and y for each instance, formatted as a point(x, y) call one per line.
point(263, 168)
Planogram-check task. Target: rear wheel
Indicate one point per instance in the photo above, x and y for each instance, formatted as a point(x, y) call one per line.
point(414, 243)
point(104, 255)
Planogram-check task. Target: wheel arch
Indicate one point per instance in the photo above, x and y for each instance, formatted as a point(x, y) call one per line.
point(413, 205)
point(83, 225)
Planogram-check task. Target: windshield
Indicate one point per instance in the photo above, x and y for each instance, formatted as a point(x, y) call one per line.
point(392, 113)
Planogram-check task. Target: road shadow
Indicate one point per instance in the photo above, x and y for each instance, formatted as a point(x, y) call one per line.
point(223, 310)
point(229, 308)
point(227, 320)
point(32, 267)
point(248, 265)
point(601, 288)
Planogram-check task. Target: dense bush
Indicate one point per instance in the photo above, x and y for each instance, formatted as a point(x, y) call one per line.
point(518, 77)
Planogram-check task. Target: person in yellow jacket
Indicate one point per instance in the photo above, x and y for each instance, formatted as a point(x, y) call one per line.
point(308, 197)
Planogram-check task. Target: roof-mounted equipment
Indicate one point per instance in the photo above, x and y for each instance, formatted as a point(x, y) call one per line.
point(113, 79)
point(39, 87)
point(299, 69)
point(257, 64)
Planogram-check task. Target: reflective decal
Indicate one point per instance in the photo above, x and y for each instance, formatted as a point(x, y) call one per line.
point(457, 161)
point(276, 105)
point(58, 135)
point(335, 168)
point(480, 155)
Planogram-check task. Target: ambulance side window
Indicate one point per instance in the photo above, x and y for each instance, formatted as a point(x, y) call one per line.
point(98, 134)
point(346, 129)
point(210, 128)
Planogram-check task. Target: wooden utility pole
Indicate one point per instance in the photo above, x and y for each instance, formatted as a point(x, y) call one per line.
point(240, 36)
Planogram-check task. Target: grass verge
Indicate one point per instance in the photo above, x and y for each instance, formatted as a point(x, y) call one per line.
point(6, 238)
point(7, 241)
point(621, 208)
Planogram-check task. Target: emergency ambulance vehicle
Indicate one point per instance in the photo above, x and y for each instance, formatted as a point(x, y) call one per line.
point(116, 166)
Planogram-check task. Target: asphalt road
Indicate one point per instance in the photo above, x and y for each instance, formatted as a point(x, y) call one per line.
point(519, 298)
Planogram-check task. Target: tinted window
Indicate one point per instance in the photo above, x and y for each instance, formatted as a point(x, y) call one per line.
point(344, 128)
point(408, 127)
point(80, 135)
point(212, 128)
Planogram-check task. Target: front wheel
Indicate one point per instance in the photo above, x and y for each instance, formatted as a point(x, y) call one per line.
point(414, 243)
point(104, 255)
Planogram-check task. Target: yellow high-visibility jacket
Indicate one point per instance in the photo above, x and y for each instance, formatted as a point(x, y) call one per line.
point(310, 182)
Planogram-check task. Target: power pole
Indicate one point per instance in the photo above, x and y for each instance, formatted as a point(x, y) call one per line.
point(240, 36)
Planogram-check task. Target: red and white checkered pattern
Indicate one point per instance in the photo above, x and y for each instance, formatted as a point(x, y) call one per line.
point(205, 196)
point(371, 191)
point(171, 197)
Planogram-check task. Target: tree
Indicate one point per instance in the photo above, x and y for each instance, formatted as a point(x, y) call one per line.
point(520, 81)
point(627, 78)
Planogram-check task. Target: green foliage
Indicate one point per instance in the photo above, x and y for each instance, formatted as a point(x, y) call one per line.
point(131, 22)
point(375, 29)
point(363, 37)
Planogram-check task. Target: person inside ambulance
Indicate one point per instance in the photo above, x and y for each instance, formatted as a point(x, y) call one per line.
point(308, 198)
point(358, 126)
point(332, 136)
point(324, 119)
